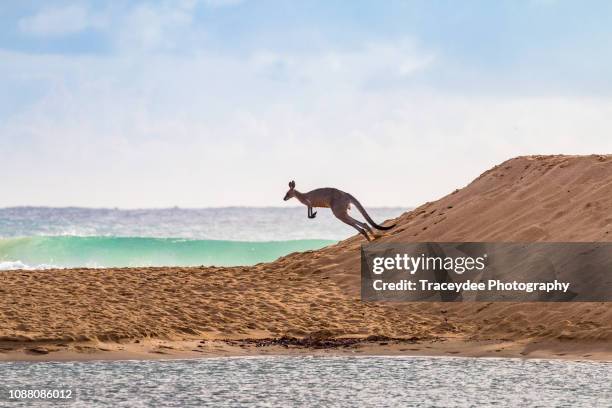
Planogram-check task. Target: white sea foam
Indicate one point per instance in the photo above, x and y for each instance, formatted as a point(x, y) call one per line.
point(17, 265)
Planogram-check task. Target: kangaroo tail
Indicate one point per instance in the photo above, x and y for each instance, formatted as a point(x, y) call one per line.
point(367, 216)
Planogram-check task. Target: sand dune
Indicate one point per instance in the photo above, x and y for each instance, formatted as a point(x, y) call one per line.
point(316, 293)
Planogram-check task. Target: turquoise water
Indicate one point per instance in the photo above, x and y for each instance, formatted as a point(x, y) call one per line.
point(67, 251)
point(39, 237)
point(318, 382)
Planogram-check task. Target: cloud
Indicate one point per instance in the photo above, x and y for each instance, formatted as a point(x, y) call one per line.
point(544, 2)
point(222, 3)
point(155, 27)
point(140, 27)
point(373, 62)
point(210, 129)
point(60, 21)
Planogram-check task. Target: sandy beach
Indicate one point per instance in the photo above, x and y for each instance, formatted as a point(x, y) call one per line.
point(309, 303)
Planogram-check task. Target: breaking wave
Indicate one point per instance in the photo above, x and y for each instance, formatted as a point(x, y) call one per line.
point(101, 252)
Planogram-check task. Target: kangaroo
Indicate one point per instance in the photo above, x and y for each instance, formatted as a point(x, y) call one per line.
point(339, 202)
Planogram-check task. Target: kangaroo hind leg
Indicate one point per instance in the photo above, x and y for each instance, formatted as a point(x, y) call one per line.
point(363, 225)
point(347, 219)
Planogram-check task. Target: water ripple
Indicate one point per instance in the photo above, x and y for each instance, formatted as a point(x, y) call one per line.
point(320, 381)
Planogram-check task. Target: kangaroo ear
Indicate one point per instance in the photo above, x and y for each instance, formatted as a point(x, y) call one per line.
point(292, 184)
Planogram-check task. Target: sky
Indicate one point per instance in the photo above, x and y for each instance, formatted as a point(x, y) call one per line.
point(222, 102)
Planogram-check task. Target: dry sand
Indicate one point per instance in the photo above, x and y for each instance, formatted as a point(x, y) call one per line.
point(310, 302)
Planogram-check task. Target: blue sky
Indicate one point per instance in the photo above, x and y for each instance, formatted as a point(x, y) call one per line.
point(221, 102)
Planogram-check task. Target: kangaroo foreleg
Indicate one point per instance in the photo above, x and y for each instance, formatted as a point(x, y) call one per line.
point(311, 214)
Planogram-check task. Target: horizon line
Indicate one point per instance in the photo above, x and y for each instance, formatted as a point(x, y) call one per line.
point(176, 207)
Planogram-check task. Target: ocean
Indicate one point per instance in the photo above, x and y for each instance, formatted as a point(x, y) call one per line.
point(284, 381)
point(43, 238)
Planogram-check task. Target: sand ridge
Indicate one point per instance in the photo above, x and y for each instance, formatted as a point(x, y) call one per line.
point(533, 198)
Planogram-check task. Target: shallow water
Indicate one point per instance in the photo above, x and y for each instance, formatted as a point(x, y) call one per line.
point(320, 381)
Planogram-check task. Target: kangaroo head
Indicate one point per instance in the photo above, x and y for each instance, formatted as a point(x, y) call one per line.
point(291, 192)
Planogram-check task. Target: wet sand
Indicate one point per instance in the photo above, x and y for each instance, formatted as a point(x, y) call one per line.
point(154, 349)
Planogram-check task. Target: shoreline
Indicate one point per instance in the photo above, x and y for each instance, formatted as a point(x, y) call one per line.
point(155, 349)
